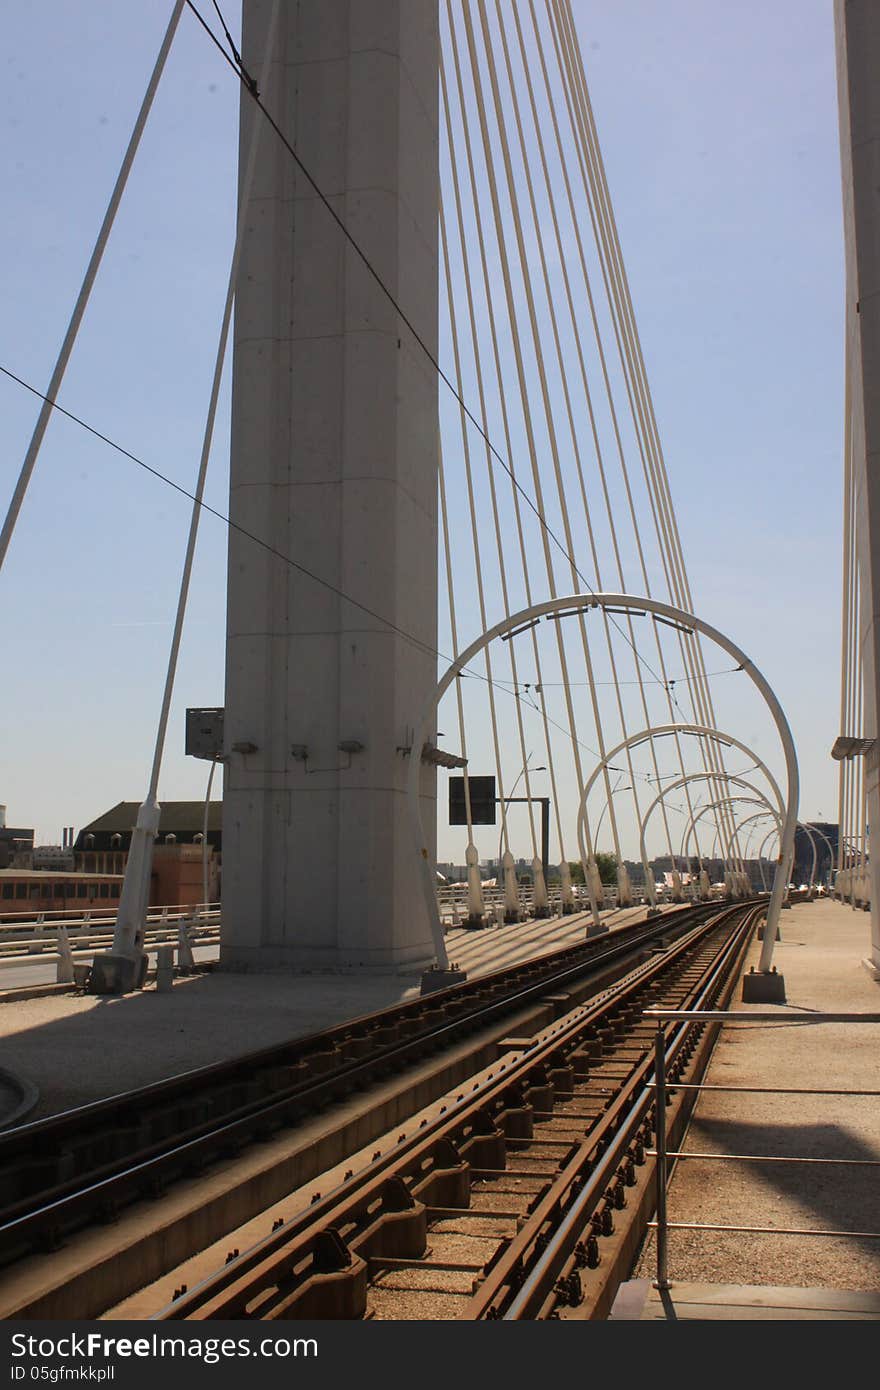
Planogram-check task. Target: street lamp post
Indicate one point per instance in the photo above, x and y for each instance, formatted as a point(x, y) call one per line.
point(509, 799)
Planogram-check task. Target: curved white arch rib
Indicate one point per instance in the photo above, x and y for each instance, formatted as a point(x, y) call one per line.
point(571, 605)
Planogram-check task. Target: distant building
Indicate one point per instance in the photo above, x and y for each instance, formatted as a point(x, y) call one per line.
point(826, 858)
point(53, 859)
point(101, 847)
point(16, 845)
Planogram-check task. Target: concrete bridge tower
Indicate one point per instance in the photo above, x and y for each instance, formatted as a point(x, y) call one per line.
point(334, 466)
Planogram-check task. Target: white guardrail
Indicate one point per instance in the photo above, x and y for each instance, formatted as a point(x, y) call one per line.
point(452, 898)
point(33, 941)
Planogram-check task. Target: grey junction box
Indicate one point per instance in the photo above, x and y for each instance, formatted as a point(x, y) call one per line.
point(204, 733)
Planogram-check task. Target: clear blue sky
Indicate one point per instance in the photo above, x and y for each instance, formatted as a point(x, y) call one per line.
point(719, 131)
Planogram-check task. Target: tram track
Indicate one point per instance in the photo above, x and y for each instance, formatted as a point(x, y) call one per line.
point(526, 1198)
point(72, 1172)
point(56, 1174)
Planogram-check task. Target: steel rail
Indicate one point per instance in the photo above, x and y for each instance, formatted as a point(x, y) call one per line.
point(539, 1284)
point(231, 1291)
point(42, 1218)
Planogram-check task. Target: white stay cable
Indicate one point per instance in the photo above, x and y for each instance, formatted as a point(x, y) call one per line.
point(517, 348)
point(82, 300)
point(475, 543)
point(453, 626)
point(464, 253)
point(539, 502)
point(563, 380)
point(562, 163)
point(130, 921)
point(595, 188)
point(465, 442)
point(647, 416)
point(845, 604)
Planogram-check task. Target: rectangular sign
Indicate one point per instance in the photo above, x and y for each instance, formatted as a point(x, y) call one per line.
point(482, 791)
point(204, 733)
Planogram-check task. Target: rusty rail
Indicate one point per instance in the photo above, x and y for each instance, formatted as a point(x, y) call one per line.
point(321, 1262)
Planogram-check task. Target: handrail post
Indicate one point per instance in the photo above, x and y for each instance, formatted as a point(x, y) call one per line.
point(662, 1280)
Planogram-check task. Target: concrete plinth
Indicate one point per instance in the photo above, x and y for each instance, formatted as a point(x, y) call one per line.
point(334, 465)
point(477, 921)
point(763, 987)
point(763, 925)
point(115, 974)
point(435, 979)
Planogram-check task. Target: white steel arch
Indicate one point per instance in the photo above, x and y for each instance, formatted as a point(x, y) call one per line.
point(573, 604)
point(642, 736)
point(760, 800)
point(682, 781)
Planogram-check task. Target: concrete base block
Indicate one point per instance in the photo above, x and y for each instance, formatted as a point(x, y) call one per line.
point(117, 974)
point(761, 932)
point(872, 968)
point(763, 987)
point(593, 930)
point(475, 922)
point(436, 978)
point(164, 969)
point(654, 912)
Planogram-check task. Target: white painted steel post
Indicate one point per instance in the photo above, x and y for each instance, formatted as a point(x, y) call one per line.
point(205, 900)
point(662, 1281)
point(124, 966)
point(79, 307)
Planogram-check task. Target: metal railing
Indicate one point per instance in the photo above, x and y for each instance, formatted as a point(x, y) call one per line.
point(663, 1086)
point(95, 916)
point(453, 900)
point(36, 941)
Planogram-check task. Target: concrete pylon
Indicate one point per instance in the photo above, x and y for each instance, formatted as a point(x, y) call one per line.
point(857, 28)
point(334, 465)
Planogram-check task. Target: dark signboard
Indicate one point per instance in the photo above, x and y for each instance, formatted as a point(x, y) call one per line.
point(482, 791)
point(204, 733)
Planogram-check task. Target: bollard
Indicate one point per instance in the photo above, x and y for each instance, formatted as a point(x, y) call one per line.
point(164, 969)
point(64, 968)
point(185, 957)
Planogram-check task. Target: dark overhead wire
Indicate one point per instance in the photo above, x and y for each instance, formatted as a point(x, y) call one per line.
point(278, 554)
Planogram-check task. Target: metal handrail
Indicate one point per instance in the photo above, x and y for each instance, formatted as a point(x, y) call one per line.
point(95, 916)
point(662, 1225)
